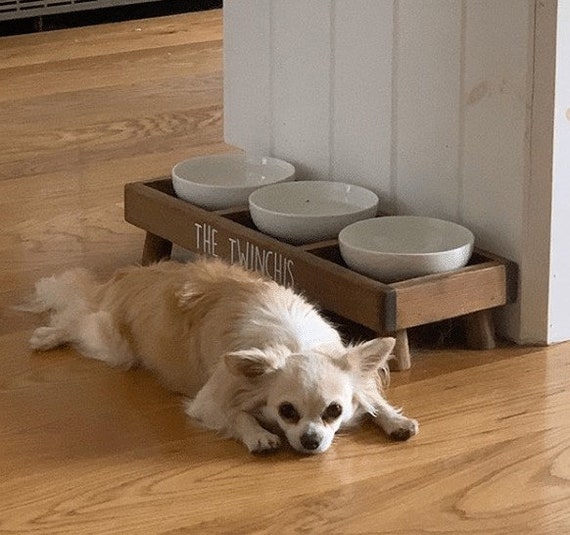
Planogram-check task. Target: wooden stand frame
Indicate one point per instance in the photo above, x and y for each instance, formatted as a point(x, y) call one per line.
point(318, 270)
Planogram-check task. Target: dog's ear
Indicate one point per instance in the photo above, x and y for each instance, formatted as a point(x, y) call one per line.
point(370, 356)
point(254, 362)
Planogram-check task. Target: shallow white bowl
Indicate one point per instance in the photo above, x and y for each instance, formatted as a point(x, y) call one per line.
point(225, 180)
point(310, 210)
point(402, 247)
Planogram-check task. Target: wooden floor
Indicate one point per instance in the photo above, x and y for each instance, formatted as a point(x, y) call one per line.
point(88, 449)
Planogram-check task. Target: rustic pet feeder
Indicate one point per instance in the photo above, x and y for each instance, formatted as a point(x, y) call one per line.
point(317, 269)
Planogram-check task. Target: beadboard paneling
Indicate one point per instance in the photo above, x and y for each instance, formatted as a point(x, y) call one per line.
point(496, 104)
point(427, 53)
point(247, 95)
point(427, 103)
point(361, 90)
point(301, 104)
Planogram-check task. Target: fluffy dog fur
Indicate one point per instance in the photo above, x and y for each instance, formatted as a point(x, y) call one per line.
point(256, 359)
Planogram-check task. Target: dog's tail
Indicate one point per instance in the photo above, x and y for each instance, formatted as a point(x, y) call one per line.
point(73, 289)
point(72, 302)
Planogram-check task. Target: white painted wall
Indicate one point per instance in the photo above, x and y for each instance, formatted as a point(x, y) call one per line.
point(427, 102)
point(559, 288)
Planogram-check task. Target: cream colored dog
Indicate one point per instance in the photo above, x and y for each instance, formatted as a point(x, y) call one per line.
point(258, 361)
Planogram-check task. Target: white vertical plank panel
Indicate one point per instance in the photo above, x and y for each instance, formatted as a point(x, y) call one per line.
point(559, 325)
point(247, 75)
point(496, 116)
point(362, 100)
point(537, 188)
point(427, 85)
point(301, 85)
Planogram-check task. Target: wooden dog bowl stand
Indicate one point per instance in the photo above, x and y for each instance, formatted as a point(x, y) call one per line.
point(318, 270)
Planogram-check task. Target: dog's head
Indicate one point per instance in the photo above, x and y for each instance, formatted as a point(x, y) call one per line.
point(310, 395)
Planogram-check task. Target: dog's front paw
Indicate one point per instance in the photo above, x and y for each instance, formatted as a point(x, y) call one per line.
point(264, 441)
point(404, 428)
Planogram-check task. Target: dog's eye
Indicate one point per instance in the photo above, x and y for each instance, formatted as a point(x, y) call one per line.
point(332, 412)
point(288, 412)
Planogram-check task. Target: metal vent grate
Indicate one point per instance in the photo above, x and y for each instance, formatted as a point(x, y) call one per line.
point(15, 9)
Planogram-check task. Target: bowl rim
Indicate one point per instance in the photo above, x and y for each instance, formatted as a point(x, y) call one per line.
point(343, 243)
point(294, 184)
point(258, 160)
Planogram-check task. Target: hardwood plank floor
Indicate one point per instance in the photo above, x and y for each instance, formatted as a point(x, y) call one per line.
point(89, 449)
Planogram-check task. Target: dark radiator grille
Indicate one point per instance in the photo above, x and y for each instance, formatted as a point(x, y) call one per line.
point(14, 9)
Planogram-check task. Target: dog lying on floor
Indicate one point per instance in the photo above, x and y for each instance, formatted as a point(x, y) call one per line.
point(257, 361)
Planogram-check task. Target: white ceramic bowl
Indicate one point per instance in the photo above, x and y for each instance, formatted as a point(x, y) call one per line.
point(225, 180)
point(403, 247)
point(310, 210)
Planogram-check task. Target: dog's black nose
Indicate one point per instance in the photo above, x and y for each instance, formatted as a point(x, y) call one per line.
point(310, 441)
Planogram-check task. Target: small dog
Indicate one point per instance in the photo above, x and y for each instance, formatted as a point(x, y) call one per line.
point(258, 361)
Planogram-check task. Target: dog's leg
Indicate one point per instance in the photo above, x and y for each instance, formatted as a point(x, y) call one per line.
point(239, 425)
point(394, 423)
point(97, 337)
point(48, 337)
point(93, 334)
point(247, 429)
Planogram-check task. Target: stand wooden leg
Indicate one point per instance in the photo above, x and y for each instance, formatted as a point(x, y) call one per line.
point(402, 350)
point(480, 330)
point(155, 249)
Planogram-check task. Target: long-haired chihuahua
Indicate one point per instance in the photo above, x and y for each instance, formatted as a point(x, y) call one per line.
point(256, 360)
